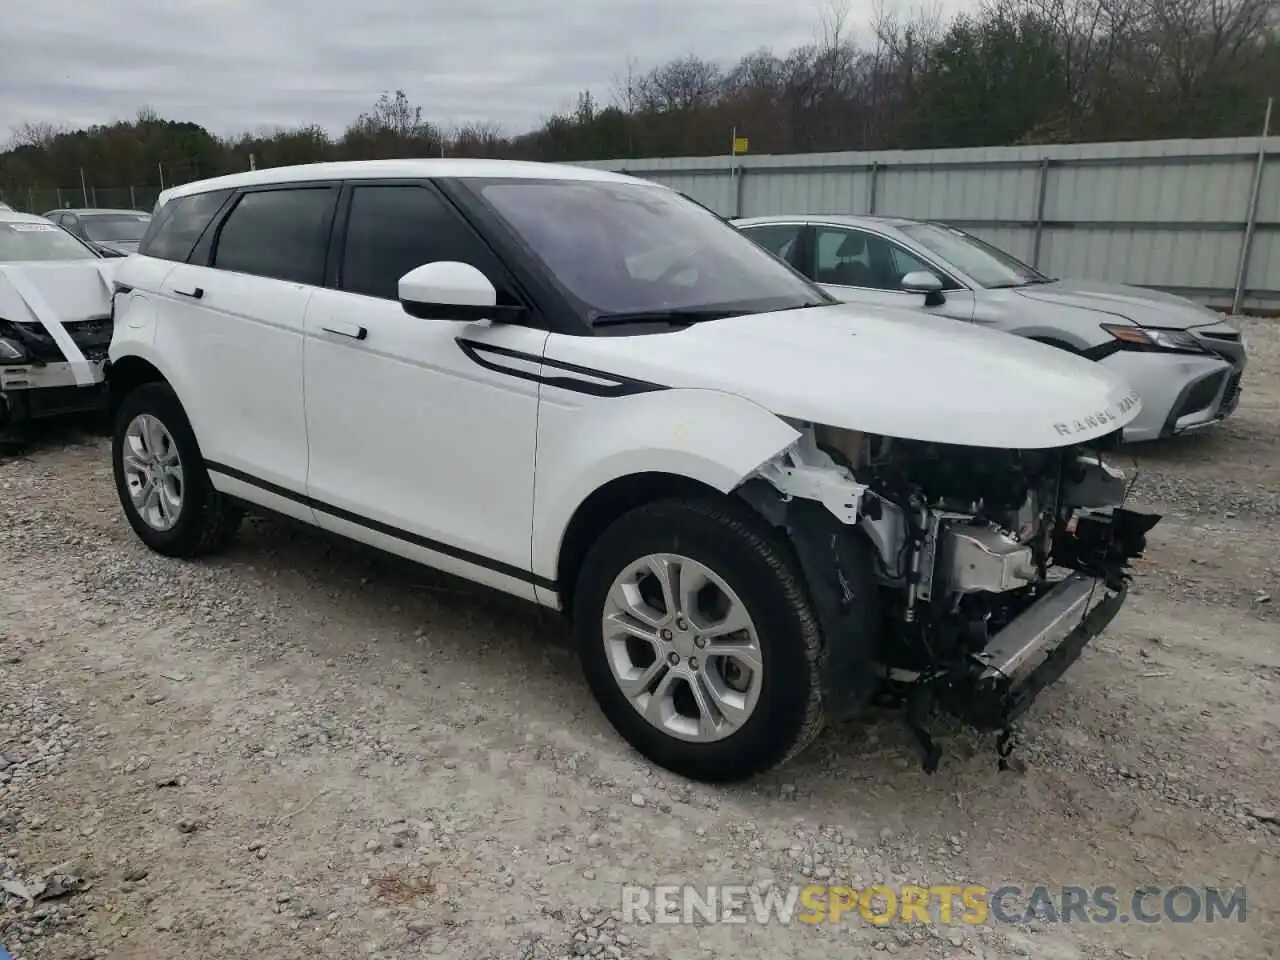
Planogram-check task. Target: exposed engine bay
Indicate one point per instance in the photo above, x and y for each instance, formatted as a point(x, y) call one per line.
point(963, 577)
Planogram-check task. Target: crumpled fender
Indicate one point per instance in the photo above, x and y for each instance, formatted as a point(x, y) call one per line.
point(836, 559)
point(713, 437)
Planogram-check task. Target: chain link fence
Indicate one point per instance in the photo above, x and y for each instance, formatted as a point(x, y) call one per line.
point(40, 200)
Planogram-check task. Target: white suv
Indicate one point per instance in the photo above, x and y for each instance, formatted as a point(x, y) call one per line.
point(758, 507)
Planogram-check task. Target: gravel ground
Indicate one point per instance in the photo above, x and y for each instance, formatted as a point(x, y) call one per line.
point(302, 748)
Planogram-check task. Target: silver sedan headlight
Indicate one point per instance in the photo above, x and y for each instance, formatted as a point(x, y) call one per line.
point(1179, 340)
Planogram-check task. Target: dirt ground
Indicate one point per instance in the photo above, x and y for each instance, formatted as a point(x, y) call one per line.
point(304, 749)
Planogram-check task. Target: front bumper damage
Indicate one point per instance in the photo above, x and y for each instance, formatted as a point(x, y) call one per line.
point(56, 326)
point(836, 540)
point(30, 392)
point(1032, 652)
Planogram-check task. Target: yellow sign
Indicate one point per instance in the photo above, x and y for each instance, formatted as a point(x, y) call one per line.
point(739, 145)
point(830, 904)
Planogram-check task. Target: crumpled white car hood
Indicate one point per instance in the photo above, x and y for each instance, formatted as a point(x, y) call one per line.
point(54, 293)
point(72, 289)
point(891, 372)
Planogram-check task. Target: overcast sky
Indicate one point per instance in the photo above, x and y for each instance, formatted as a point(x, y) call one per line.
point(238, 65)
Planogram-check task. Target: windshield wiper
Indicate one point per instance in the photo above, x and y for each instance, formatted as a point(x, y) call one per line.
point(677, 318)
point(807, 305)
point(1020, 283)
point(691, 315)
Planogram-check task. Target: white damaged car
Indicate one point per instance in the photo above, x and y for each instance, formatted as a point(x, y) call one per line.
point(758, 507)
point(55, 322)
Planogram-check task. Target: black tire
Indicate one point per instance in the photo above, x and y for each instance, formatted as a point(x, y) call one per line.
point(207, 520)
point(743, 551)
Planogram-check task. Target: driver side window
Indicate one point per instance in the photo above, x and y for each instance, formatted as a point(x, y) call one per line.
point(855, 258)
point(778, 238)
point(393, 228)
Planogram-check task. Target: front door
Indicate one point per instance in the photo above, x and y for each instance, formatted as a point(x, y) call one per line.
point(864, 267)
point(783, 240)
point(418, 447)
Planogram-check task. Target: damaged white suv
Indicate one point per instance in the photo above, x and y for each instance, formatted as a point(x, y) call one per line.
point(760, 508)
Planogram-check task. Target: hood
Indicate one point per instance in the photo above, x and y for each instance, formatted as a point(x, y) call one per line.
point(894, 372)
point(73, 290)
point(1138, 305)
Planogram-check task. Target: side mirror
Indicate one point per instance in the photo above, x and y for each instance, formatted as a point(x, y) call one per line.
point(449, 290)
point(923, 281)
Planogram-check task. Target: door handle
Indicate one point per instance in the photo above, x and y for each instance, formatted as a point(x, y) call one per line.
point(352, 330)
point(195, 294)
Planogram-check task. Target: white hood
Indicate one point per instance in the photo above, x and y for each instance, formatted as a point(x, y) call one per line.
point(897, 373)
point(73, 290)
point(52, 294)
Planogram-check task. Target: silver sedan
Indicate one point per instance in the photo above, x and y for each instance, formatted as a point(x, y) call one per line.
point(1183, 359)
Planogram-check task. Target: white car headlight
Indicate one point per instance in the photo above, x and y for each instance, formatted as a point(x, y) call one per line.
point(11, 351)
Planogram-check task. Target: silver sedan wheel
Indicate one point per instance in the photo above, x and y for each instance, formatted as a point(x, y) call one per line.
point(153, 472)
point(682, 647)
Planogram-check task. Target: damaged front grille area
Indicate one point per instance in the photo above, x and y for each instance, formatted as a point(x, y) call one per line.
point(92, 336)
point(966, 578)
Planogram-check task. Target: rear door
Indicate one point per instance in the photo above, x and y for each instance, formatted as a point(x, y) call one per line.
point(233, 334)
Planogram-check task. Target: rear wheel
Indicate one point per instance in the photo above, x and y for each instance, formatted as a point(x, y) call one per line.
point(161, 479)
point(697, 639)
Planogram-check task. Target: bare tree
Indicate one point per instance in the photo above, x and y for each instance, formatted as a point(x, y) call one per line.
point(394, 115)
point(1203, 39)
point(625, 89)
point(680, 85)
point(35, 133)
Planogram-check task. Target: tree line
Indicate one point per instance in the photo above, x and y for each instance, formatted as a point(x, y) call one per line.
point(1015, 72)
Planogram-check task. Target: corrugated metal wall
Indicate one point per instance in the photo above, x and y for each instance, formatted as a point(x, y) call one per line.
point(1170, 214)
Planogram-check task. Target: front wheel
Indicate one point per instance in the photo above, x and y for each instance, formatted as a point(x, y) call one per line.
point(697, 639)
point(161, 478)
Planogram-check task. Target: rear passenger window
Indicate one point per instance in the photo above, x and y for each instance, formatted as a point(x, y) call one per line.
point(393, 229)
point(179, 223)
point(280, 234)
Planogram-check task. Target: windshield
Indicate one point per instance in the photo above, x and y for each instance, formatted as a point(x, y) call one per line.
point(987, 265)
point(104, 227)
point(622, 248)
point(20, 241)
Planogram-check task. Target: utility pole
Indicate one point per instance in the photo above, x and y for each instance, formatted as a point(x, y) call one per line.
point(1246, 247)
point(84, 190)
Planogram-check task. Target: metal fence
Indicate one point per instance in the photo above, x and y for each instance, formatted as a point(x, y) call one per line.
point(42, 200)
point(1195, 217)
